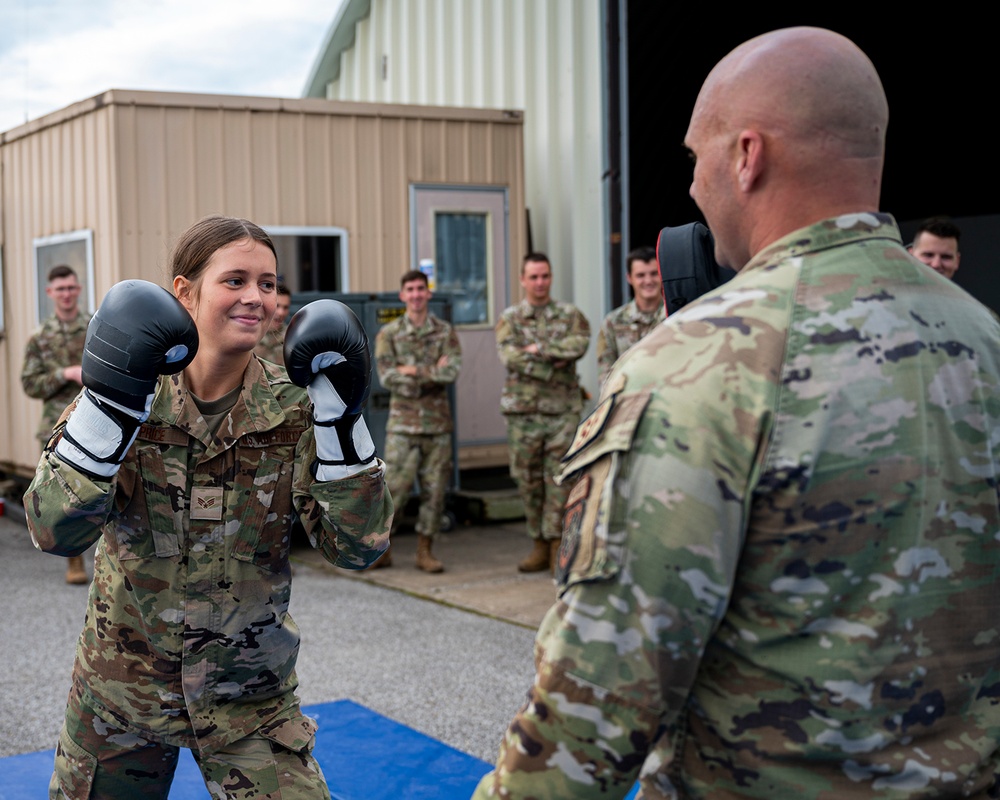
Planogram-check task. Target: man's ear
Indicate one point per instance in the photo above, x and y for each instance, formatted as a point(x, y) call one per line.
point(749, 159)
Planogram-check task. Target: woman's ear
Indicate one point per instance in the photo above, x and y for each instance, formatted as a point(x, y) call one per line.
point(182, 291)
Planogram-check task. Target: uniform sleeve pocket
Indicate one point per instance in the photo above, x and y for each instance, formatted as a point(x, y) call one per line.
point(74, 769)
point(593, 540)
point(589, 550)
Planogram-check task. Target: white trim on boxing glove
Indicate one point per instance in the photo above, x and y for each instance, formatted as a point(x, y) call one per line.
point(330, 461)
point(328, 406)
point(333, 436)
point(99, 433)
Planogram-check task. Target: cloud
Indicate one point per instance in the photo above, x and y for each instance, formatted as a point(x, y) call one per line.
point(52, 55)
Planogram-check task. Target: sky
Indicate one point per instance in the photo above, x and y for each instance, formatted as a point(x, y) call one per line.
point(56, 52)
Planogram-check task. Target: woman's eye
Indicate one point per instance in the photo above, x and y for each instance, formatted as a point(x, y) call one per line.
point(267, 286)
point(234, 281)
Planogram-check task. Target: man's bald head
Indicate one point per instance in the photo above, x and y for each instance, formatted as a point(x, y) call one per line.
point(808, 83)
point(797, 118)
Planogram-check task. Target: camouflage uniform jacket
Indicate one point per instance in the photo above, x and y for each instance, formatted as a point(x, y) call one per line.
point(780, 565)
point(52, 348)
point(621, 329)
point(418, 403)
point(272, 346)
point(187, 638)
point(545, 382)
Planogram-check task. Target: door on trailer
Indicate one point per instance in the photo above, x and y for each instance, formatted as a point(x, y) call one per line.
point(460, 238)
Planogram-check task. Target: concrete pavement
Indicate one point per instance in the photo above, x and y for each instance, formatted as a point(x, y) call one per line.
point(449, 655)
point(480, 572)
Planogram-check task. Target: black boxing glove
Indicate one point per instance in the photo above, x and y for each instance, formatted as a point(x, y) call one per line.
point(140, 331)
point(326, 351)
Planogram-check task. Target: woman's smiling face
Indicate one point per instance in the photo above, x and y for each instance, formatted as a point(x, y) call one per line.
point(234, 298)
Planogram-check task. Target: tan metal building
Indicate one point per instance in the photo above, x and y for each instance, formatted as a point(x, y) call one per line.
point(355, 194)
point(543, 56)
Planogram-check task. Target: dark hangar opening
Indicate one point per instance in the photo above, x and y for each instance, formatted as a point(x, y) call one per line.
point(936, 72)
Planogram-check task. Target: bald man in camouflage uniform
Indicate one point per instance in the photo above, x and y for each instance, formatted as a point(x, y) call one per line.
point(51, 370)
point(780, 565)
point(627, 324)
point(418, 357)
point(539, 342)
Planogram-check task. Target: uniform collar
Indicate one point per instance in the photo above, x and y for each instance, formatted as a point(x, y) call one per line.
point(632, 312)
point(256, 410)
point(79, 322)
point(410, 327)
point(530, 311)
point(826, 234)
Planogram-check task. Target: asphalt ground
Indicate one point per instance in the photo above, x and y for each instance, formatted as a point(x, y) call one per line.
point(449, 655)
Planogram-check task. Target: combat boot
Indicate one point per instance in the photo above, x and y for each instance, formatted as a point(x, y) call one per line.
point(384, 560)
point(538, 559)
point(425, 560)
point(75, 573)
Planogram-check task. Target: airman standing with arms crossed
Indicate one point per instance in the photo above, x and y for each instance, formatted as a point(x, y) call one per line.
point(51, 370)
point(418, 357)
point(539, 342)
point(627, 324)
point(779, 569)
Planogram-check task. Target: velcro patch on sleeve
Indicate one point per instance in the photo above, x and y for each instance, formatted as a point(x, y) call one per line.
point(609, 427)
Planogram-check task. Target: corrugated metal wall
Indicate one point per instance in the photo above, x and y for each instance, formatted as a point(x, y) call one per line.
point(139, 167)
point(542, 56)
point(56, 178)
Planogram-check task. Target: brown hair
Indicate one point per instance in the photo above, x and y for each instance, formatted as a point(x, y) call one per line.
point(539, 258)
point(413, 275)
point(197, 245)
point(639, 254)
point(61, 271)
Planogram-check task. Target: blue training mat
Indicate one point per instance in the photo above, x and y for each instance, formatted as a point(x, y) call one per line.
point(364, 756)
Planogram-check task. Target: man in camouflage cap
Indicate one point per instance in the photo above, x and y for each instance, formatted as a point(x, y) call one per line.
point(780, 560)
point(539, 342)
point(418, 357)
point(51, 371)
point(627, 324)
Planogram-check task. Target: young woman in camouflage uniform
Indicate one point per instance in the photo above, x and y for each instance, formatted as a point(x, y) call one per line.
point(188, 641)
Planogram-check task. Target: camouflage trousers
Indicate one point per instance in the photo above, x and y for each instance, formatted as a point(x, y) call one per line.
point(425, 457)
point(99, 760)
point(536, 443)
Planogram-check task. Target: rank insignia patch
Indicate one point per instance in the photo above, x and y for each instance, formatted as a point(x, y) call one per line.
point(206, 503)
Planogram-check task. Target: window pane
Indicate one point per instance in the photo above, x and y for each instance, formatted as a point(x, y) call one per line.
point(309, 263)
point(461, 269)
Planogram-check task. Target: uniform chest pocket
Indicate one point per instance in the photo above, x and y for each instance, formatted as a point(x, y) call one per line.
point(260, 505)
point(149, 525)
